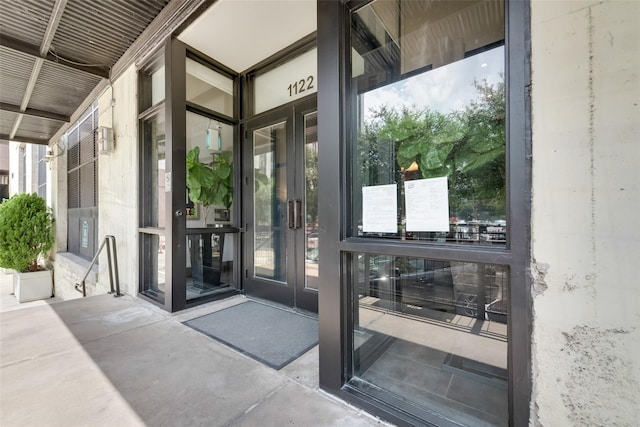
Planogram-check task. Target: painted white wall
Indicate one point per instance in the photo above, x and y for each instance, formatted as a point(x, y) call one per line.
point(586, 202)
point(15, 170)
point(118, 180)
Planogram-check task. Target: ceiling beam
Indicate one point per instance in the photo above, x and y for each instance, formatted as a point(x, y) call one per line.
point(52, 26)
point(5, 137)
point(34, 112)
point(34, 51)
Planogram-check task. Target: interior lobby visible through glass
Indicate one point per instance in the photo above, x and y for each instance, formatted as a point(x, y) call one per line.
point(210, 248)
point(428, 164)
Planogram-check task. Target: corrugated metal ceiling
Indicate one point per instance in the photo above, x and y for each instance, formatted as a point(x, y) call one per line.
point(61, 90)
point(25, 20)
point(15, 70)
point(90, 38)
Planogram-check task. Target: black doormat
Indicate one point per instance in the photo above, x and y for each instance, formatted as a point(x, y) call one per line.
point(271, 335)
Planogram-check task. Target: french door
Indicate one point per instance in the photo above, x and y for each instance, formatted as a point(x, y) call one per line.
point(281, 206)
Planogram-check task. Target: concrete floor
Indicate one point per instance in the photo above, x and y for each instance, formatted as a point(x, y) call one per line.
point(104, 361)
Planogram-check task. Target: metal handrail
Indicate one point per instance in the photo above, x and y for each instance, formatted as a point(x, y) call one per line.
point(110, 241)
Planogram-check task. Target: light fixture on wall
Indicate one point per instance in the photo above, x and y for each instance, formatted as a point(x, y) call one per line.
point(104, 139)
point(213, 137)
point(51, 154)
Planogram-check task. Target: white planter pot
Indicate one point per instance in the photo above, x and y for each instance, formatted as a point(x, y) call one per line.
point(32, 286)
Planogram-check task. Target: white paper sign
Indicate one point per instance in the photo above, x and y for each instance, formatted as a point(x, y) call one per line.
point(427, 204)
point(380, 209)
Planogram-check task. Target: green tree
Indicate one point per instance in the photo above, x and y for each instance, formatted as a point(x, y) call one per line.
point(467, 146)
point(26, 232)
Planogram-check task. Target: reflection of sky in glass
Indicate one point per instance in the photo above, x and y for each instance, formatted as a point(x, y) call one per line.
point(444, 89)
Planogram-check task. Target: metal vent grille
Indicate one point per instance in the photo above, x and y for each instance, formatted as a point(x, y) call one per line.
point(87, 136)
point(73, 151)
point(73, 189)
point(82, 162)
point(88, 185)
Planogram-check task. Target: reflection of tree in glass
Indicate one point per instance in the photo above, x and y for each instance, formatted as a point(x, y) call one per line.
point(311, 178)
point(467, 146)
point(264, 196)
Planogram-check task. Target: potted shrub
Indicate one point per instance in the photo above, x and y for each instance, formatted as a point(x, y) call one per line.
point(26, 237)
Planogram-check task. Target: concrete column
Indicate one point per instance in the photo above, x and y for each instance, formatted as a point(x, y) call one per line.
point(585, 228)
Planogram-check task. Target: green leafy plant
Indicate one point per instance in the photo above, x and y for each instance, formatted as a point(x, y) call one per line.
point(210, 184)
point(26, 232)
point(467, 146)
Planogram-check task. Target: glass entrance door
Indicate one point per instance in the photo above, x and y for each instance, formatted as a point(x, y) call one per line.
point(280, 178)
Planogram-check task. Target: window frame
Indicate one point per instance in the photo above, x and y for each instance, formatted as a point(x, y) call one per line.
point(337, 302)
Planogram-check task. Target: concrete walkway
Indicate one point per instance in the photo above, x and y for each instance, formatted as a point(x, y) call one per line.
point(104, 361)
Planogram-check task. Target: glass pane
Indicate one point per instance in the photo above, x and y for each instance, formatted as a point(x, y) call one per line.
point(157, 86)
point(209, 89)
point(214, 141)
point(286, 83)
point(430, 108)
point(152, 269)
point(434, 334)
point(209, 263)
point(153, 162)
point(152, 85)
point(270, 202)
point(311, 199)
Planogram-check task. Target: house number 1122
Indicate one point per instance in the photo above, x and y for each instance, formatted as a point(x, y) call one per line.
point(300, 86)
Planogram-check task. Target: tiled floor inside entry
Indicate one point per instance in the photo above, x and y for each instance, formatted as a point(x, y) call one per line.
point(433, 378)
point(448, 363)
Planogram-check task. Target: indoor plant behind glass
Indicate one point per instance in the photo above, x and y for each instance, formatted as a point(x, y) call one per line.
point(210, 184)
point(26, 237)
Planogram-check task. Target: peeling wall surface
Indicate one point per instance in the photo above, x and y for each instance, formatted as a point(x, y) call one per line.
point(586, 213)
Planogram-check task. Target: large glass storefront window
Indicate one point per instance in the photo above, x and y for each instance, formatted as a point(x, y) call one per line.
point(429, 163)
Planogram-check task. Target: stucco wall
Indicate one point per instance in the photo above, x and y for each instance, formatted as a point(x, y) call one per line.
point(586, 202)
point(118, 180)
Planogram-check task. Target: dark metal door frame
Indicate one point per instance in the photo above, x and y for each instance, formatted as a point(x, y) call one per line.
point(291, 293)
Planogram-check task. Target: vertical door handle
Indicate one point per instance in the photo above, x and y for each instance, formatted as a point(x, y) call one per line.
point(298, 213)
point(291, 214)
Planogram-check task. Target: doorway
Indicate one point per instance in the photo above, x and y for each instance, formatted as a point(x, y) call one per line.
point(281, 206)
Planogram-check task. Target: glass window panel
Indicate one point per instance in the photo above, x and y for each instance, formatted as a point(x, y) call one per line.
point(152, 85)
point(157, 86)
point(152, 266)
point(311, 199)
point(433, 334)
point(290, 81)
point(429, 84)
point(208, 88)
point(214, 140)
point(154, 167)
point(209, 264)
point(270, 202)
